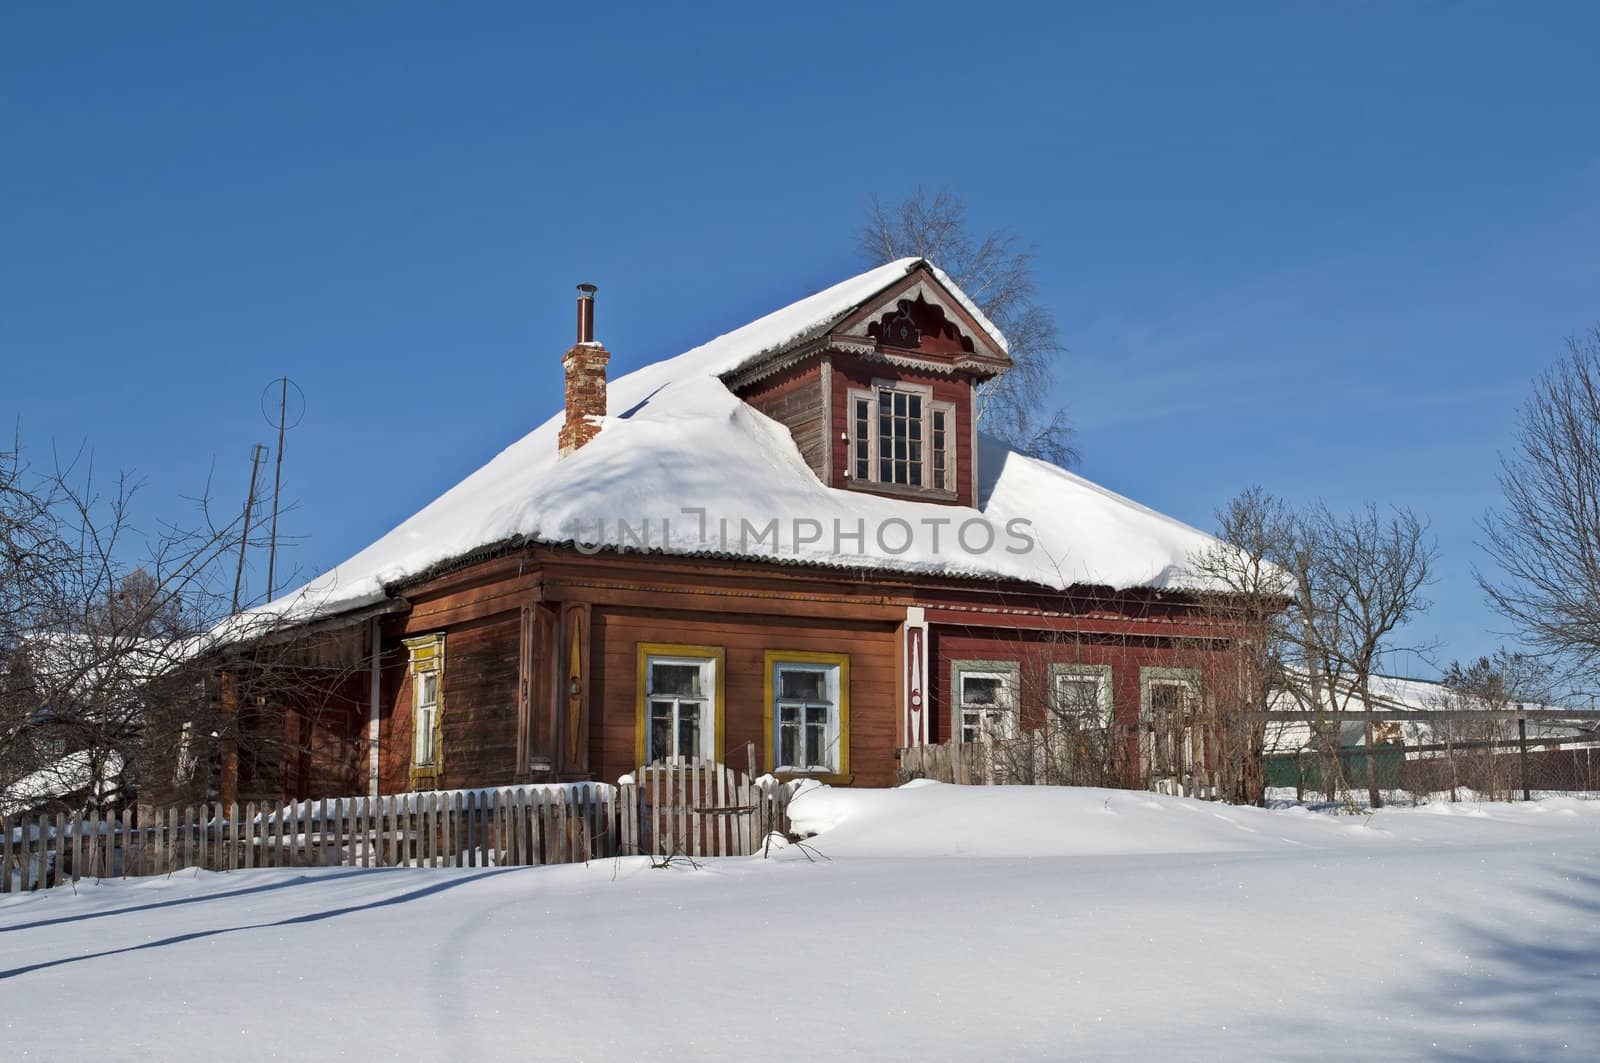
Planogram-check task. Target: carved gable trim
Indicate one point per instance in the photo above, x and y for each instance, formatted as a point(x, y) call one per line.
point(918, 325)
point(919, 316)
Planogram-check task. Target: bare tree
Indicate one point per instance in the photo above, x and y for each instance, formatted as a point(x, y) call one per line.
point(1251, 591)
point(1479, 694)
point(996, 270)
point(111, 650)
point(1373, 570)
point(1313, 600)
point(1545, 538)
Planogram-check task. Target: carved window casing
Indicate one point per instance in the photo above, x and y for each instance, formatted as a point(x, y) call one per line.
point(425, 662)
point(901, 438)
point(680, 695)
point(808, 714)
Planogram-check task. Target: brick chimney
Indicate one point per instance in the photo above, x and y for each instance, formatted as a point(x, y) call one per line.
point(585, 365)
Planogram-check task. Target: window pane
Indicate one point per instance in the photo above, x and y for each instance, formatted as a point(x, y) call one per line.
point(1079, 693)
point(971, 726)
point(424, 737)
point(816, 745)
point(899, 404)
point(799, 684)
point(688, 729)
point(428, 688)
point(980, 690)
point(885, 402)
point(863, 416)
point(788, 742)
point(682, 680)
point(660, 730)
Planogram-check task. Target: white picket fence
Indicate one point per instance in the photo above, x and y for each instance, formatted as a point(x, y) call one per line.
point(688, 808)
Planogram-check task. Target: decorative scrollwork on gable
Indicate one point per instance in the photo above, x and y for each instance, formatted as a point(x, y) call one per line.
point(918, 325)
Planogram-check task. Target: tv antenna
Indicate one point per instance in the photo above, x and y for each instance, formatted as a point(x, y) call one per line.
point(281, 420)
point(257, 452)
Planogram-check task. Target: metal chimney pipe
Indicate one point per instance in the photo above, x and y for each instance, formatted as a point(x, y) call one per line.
point(586, 313)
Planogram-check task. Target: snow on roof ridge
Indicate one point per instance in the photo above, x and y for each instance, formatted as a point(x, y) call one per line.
point(1052, 468)
point(667, 421)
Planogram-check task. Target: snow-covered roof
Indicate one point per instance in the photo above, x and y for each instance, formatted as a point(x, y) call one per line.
point(1402, 694)
point(62, 778)
point(676, 439)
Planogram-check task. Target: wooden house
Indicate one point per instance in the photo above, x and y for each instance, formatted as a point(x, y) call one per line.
point(794, 539)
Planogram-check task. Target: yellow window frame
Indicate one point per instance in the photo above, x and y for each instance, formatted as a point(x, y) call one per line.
point(777, 657)
point(425, 653)
point(646, 650)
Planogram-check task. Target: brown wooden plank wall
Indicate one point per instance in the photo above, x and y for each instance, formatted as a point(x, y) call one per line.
point(794, 398)
point(478, 726)
point(874, 720)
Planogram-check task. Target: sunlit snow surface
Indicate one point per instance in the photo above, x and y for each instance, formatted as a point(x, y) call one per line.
point(926, 923)
point(676, 438)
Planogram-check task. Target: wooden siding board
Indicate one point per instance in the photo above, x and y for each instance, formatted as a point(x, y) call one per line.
point(795, 399)
point(874, 712)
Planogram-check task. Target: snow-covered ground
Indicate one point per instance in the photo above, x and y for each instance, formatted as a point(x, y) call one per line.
point(929, 923)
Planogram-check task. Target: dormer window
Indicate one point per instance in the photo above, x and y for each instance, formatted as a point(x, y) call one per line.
point(901, 438)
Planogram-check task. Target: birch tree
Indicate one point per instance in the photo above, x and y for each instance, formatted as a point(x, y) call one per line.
point(1544, 538)
point(996, 269)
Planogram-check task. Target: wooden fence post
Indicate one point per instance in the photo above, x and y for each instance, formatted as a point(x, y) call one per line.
point(91, 847)
point(358, 829)
point(58, 842)
point(1522, 755)
point(132, 846)
point(543, 848)
point(79, 824)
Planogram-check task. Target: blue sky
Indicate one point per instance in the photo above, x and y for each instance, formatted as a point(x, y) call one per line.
point(1323, 248)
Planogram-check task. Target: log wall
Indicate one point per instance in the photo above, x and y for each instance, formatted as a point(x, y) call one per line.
point(874, 713)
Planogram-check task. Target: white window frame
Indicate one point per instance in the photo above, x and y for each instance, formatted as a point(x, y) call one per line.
point(874, 441)
point(1169, 746)
point(425, 739)
point(707, 702)
point(1006, 715)
point(947, 453)
point(831, 738)
point(1100, 675)
point(1184, 686)
point(425, 666)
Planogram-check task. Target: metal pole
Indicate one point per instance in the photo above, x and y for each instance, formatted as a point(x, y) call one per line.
point(244, 535)
point(1522, 755)
point(277, 480)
